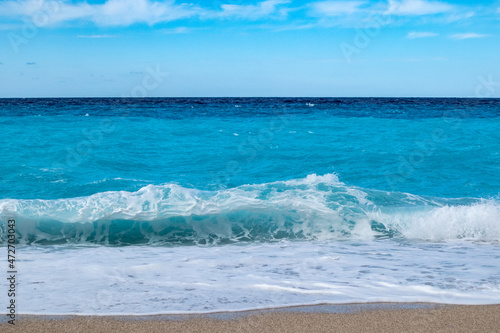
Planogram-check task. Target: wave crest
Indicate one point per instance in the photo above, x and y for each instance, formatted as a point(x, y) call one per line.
point(312, 208)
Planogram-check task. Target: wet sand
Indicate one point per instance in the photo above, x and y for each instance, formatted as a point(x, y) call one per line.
point(382, 317)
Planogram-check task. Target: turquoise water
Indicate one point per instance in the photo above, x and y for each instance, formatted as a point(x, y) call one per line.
point(173, 165)
point(328, 178)
point(443, 148)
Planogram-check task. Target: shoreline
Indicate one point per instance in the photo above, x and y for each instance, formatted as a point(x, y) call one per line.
point(357, 317)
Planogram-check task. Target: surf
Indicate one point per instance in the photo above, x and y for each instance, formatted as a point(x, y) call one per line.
point(317, 207)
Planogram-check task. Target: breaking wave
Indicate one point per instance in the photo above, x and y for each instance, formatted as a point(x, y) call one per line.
point(312, 208)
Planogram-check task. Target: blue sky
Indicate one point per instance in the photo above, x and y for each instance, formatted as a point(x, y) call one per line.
point(249, 48)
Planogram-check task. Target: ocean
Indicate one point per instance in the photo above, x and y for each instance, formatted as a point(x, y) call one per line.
point(196, 205)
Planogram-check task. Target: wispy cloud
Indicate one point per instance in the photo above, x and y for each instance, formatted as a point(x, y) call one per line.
point(290, 27)
point(31, 63)
point(415, 34)
point(128, 12)
point(418, 7)
point(419, 59)
point(110, 13)
point(262, 9)
point(467, 35)
point(363, 13)
point(96, 36)
point(460, 16)
point(178, 30)
point(10, 26)
point(116, 13)
point(335, 8)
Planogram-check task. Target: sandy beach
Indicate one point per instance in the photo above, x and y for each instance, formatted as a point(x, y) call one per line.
point(338, 318)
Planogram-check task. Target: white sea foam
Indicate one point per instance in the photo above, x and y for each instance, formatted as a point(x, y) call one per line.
point(477, 222)
point(193, 279)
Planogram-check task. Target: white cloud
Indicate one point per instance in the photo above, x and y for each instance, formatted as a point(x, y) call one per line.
point(95, 36)
point(151, 12)
point(290, 27)
point(336, 8)
point(460, 16)
point(127, 12)
point(414, 34)
point(178, 30)
point(8, 8)
point(418, 7)
point(262, 9)
point(467, 35)
point(10, 26)
point(111, 13)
